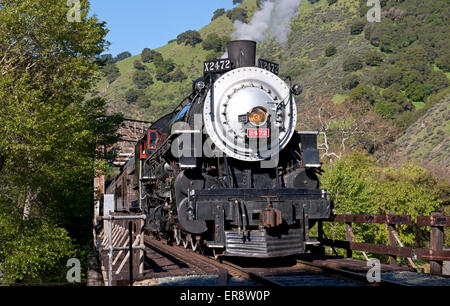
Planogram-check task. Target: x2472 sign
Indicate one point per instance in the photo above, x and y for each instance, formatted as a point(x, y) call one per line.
point(217, 66)
point(272, 67)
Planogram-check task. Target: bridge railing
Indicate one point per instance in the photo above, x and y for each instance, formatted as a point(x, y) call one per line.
point(436, 254)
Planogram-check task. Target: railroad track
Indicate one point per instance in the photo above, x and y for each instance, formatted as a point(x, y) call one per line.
point(296, 272)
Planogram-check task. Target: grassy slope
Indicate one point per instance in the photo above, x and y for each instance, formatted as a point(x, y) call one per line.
point(316, 26)
point(428, 139)
point(164, 96)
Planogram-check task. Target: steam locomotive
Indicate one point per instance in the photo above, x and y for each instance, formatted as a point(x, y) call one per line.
point(226, 171)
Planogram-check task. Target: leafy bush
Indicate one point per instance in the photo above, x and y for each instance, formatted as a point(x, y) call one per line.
point(362, 94)
point(357, 27)
point(163, 75)
point(178, 76)
point(33, 251)
point(350, 82)
point(218, 13)
point(143, 102)
point(111, 72)
point(373, 58)
point(149, 56)
point(237, 13)
point(138, 65)
point(352, 63)
point(330, 50)
point(358, 185)
point(215, 42)
point(436, 81)
point(331, 2)
point(132, 95)
point(415, 91)
point(190, 37)
point(142, 79)
point(394, 95)
point(122, 56)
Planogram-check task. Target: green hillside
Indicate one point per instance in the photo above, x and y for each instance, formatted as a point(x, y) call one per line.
point(164, 96)
point(398, 69)
point(428, 139)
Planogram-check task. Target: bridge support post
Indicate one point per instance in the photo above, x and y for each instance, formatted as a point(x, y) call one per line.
point(436, 244)
point(391, 228)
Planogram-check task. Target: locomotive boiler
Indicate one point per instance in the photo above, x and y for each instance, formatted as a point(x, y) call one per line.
point(227, 171)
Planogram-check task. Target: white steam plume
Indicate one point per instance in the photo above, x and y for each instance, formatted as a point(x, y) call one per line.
point(272, 20)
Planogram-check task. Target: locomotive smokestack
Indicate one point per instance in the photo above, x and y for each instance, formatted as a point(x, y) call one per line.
point(242, 53)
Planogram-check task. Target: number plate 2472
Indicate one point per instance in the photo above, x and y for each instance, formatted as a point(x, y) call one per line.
point(258, 133)
point(217, 66)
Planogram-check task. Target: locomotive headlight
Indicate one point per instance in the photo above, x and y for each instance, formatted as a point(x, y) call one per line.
point(258, 116)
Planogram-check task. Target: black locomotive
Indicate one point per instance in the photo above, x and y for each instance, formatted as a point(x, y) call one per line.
point(227, 171)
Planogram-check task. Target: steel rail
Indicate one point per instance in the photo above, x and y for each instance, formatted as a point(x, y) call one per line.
point(224, 268)
point(362, 278)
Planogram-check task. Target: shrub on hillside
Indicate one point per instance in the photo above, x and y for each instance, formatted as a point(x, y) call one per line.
point(143, 102)
point(357, 27)
point(350, 82)
point(142, 79)
point(331, 2)
point(218, 13)
point(132, 95)
point(178, 76)
point(163, 75)
point(111, 72)
point(138, 65)
point(330, 50)
point(237, 13)
point(149, 56)
point(215, 42)
point(190, 37)
point(122, 56)
point(363, 94)
point(352, 63)
point(436, 81)
point(394, 95)
point(373, 58)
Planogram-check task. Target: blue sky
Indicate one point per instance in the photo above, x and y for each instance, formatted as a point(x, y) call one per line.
point(138, 24)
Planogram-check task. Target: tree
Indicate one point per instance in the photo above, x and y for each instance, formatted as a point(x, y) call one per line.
point(143, 102)
point(132, 95)
point(331, 2)
point(395, 96)
point(215, 42)
point(218, 13)
point(148, 56)
point(237, 13)
point(138, 65)
point(122, 56)
point(163, 75)
point(111, 72)
point(357, 184)
point(357, 27)
point(178, 76)
point(373, 58)
point(436, 81)
point(362, 94)
point(330, 51)
point(350, 82)
point(190, 37)
point(352, 63)
point(142, 79)
point(49, 138)
point(237, 2)
point(415, 91)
